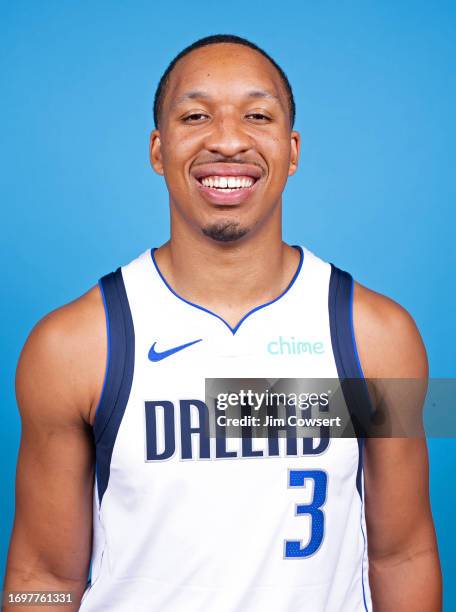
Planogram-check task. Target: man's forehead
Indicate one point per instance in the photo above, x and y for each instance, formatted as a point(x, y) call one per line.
point(195, 74)
point(203, 94)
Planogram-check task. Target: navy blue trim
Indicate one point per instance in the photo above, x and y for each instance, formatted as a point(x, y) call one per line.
point(233, 330)
point(352, 327)
point(340, 301)
point(350, 372)
point(108, 356)
point(353, 383)
point(118, 377)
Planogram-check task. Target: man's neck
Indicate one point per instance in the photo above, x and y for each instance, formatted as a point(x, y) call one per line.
point(229, 279)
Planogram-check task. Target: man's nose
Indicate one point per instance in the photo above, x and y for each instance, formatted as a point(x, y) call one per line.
point(228, 137)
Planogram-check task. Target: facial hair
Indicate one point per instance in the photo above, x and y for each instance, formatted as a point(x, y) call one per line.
point(225, 231)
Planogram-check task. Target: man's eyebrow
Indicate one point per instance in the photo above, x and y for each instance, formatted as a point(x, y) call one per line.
point(262, 93)
point(191, 95)
point(202, 95)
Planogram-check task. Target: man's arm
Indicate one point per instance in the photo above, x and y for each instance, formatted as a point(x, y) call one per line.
point(404, 568)
point(59, 380)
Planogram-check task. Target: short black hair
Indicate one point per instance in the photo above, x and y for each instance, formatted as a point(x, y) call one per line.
point(213, 40)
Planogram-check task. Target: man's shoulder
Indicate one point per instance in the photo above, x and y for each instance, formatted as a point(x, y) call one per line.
point(72, 324)
point(65, 353)
point(73, 315)
point(388, 340)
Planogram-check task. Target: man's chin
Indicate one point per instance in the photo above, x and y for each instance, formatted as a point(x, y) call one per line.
point(225, 231)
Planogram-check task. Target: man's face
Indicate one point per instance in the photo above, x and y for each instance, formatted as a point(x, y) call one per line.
point(224, 143)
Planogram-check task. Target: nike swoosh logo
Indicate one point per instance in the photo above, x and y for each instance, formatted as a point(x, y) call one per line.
point(156, 356)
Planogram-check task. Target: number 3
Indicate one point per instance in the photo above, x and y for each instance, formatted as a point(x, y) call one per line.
point(297, 478)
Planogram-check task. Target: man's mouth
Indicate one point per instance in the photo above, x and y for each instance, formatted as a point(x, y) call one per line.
point(227, 184)
point(224, 184)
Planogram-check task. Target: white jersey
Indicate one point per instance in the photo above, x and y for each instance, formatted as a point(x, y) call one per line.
point(185, 523)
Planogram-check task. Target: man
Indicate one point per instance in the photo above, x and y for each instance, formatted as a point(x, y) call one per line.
point(116, 379)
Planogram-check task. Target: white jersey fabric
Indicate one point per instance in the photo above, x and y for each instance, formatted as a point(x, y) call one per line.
point(183, 526)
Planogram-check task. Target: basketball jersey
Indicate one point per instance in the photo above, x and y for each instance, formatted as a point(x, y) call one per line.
point(184, 523)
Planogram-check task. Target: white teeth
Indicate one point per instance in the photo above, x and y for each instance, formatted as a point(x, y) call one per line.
point(227, 183)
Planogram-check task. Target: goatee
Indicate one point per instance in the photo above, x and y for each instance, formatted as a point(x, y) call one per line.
point(225, 231)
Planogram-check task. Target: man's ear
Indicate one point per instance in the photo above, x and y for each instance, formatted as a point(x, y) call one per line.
point(155, 152)
point(295, 149)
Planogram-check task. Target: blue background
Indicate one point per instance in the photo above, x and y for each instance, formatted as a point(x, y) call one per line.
point(375, 92)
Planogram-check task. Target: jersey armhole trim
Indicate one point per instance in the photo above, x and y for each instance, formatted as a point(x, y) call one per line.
point(352, 325)
point(340, 309)
point(340, 304)
point(353, 383)
point(118, 376)
point(352, 380)
point(108, 348)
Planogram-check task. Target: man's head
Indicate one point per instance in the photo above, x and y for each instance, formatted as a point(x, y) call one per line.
point(160, 92)
point(224, 114)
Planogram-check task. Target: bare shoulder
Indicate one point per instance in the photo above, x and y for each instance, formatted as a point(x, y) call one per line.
point(388, 340)
point(61, 368)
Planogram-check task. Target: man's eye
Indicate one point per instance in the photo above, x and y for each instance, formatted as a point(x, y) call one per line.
point(258, 116)
point(194, 117)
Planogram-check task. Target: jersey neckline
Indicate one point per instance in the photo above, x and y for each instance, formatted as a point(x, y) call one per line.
point(234, 329)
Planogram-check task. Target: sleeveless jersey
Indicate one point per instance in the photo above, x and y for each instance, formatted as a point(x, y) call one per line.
point(183, 523)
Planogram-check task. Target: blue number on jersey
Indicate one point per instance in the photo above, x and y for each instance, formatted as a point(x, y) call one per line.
point(297, 478)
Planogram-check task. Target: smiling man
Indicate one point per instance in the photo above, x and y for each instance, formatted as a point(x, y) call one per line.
point(111, 390)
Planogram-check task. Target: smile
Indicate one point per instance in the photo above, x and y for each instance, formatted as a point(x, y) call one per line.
point(227, 184)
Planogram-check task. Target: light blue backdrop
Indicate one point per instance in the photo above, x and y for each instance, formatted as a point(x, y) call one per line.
point(375, 92)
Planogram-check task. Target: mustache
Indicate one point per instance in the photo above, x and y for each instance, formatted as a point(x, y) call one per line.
point(220, 159)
